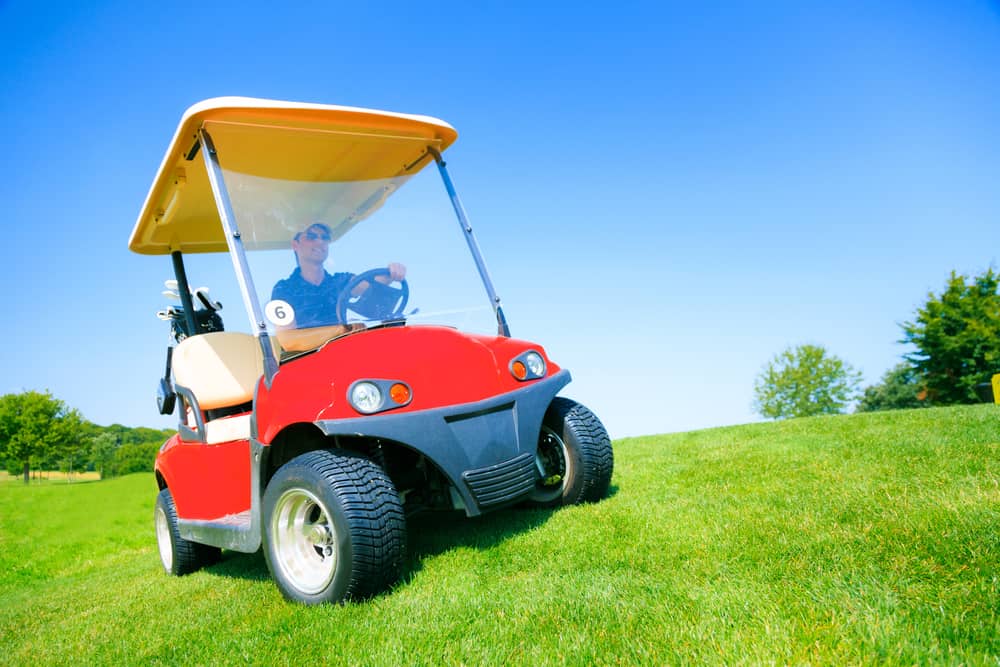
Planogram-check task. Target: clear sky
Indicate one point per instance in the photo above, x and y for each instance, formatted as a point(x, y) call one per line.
point(667, 194)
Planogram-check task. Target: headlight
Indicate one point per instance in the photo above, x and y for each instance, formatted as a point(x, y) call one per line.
point(373, 395)
point(536, 366)
point(366, 397)
point(527, 366)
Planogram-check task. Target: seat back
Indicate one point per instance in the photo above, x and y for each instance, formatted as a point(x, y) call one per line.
point(221, 369)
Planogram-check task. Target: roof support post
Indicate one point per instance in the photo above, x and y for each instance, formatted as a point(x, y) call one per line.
point(463, 220)
point(238, 254)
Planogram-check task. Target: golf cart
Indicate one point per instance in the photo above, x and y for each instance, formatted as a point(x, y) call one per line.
point(316, 438)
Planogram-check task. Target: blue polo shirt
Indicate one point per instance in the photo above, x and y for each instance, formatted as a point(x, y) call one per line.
point(314, 305)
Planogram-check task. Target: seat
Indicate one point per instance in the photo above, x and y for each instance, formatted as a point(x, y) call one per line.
point(217, 370)
point(227, 429)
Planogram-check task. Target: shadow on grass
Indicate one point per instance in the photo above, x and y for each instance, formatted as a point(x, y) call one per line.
point(428, 534)
point(434, 533)
point(238, 565)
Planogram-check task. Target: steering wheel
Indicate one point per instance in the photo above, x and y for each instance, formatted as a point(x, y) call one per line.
point(378, 302)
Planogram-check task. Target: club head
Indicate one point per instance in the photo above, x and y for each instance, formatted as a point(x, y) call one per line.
point(202, 294)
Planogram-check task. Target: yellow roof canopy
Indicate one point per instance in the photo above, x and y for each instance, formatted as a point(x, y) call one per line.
point(290, 141)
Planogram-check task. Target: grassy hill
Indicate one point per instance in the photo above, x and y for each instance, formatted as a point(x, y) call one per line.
point(865, 538)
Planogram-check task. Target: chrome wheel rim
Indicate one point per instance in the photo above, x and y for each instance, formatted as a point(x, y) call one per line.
point(553, 463)
point(304, 541)
point(163, 538)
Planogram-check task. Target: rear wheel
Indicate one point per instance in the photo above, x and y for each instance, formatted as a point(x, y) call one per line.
point(574, 456)
point(333, 528)
point(179, 556)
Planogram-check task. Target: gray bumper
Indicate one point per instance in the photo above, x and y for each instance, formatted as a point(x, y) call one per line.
point(485, 448)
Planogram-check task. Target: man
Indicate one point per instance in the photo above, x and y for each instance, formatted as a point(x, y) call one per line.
point(312, 292)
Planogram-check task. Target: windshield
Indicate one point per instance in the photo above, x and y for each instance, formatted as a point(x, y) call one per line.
point(331, 257)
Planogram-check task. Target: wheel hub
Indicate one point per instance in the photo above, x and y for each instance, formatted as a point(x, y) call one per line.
point(318, 534)
point(304, 540)
point(551, 460)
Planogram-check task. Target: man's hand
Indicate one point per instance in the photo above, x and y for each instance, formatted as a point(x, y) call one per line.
point(397, 271)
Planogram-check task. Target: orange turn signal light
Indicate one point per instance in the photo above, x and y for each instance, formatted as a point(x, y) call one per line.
point(519, 370)
point(399, 393)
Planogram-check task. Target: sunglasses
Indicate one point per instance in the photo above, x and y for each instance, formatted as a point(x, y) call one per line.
point(312, 236)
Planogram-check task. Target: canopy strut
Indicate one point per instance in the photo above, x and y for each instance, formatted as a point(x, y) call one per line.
point(238, 254)
point(463, 220)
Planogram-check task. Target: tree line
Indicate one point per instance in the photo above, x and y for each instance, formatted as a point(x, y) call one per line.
point(40, 432)
point(955, 341)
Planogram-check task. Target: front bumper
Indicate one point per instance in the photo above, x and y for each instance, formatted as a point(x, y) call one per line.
point(486, 449)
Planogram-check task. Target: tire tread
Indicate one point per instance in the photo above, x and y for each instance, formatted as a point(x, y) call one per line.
point(596, 454)
point(374, 514)
point(188, 556)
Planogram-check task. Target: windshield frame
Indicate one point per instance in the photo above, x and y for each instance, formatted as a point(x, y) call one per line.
point(237, 250)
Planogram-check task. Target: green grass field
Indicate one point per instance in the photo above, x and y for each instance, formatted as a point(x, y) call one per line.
point(861, 539)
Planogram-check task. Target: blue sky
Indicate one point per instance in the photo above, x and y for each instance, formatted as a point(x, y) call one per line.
point(667, 194)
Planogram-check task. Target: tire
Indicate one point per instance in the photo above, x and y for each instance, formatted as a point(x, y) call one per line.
point(334, 528)
point(178, 556)
point(574, 457)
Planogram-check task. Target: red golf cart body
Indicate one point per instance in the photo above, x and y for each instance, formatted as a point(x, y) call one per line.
point(457, 417)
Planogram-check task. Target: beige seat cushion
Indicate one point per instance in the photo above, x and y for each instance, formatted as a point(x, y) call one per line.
point(227, 429)
point(220, 368)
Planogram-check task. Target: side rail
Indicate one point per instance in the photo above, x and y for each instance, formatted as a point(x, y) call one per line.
point(190, 409)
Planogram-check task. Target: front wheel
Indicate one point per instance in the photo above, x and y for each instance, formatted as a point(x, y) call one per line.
point(333, 528)
point(574, 456)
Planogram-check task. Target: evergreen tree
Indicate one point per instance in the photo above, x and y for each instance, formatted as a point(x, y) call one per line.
point(957, 337)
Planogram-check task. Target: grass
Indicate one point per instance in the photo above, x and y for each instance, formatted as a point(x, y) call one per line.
point(861, 539)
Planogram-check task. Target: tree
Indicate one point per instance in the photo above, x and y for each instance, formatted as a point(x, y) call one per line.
point(805, 381)
point(102, 453)
point(901, 387)
point(135, 457)
point(70, 444)
point(957, 336)
point(36, 425)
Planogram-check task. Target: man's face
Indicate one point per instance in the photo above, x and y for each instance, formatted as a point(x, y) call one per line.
point(312, 246)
